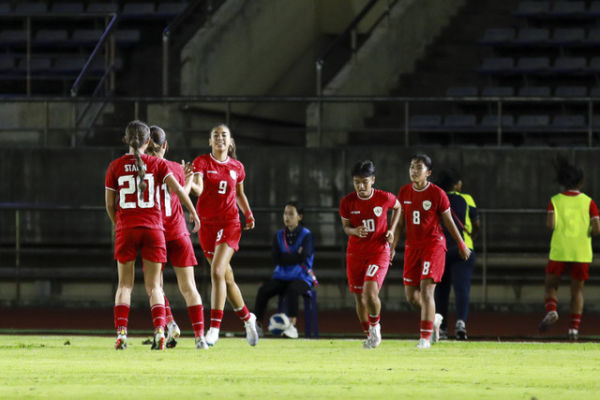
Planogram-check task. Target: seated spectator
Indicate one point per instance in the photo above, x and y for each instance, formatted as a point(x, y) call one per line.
point(293, 255)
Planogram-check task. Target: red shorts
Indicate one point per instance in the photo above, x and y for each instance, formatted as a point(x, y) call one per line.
point(423, 263)
point(181, 252)
point(211, 236)
point(579, 271)
point(360, 269)
point(151, 241)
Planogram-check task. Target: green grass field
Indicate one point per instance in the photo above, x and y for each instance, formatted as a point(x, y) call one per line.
point(81, 367)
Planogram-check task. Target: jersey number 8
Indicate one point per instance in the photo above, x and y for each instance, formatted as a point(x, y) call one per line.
point(416, 217)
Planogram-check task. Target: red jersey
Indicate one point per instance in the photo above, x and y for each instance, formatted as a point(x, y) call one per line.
point(217, 203)
point(133, 210)
point(173, 217)
point(422, 210)
point(372, 214)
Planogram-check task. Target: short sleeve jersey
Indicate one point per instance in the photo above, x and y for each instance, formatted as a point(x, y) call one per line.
point(371, 213)
point(135, 209)
point(173, 217)
point(217, 203)
point(422, 210)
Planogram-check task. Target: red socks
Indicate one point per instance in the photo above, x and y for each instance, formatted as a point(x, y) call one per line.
point(196, 314)
point(121, 312)
point(216, 316)
point(168, 314)
point(550, 304)
point(365, 326)
point(158, 315)
point(426, 329)
point(575, 321)
point(374, 319)
point(243, 313)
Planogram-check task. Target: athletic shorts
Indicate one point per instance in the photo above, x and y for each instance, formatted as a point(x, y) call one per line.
point(181, 252)
point(128, 242)
point(211, 236)
point(579, 271)
point(423, 263)
point(360, 269)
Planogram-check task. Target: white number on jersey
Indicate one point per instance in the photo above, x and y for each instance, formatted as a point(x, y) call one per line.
point(219, 235)
point(222, 187)
point(369, 224)
point(426, 266)
point(416, 217)
point(131, 188)
point(165, 189)
point(372, 270)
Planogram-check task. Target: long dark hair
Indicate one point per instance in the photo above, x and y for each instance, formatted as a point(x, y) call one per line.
point(158, 137)
point(447, 178)
point(231, 151)
point(136, 135)
point(567, 174)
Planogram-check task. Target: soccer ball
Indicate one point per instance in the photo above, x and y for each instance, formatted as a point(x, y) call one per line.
point(278, 323)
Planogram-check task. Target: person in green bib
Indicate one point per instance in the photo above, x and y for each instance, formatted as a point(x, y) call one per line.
point(573, 218)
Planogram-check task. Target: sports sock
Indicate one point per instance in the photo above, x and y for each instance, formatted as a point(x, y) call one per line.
point(243, 313)
point(196, 314)
point(121, 312)
point(426, 329)
point(365, 326)
point(374, 319)
point(168, 314)
point(158, 315)
point(550, 304)
point(216, 316)
point(575, 321)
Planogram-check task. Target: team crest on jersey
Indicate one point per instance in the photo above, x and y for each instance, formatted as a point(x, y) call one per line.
point(233, 174)
point(377, 211)
point(426, 205)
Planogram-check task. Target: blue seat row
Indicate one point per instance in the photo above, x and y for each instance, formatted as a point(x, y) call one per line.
point(558, 9)
point(527, 37)
point(58, 65)
point(470, 122)
point(79, 37)
point(540, 65)
point(129, 9)
point(523, 91)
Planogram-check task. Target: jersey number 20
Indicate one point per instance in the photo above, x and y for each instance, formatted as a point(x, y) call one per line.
point(130, 182)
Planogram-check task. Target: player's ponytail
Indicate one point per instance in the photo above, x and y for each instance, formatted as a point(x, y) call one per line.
point(136, 134)
point(231, 151)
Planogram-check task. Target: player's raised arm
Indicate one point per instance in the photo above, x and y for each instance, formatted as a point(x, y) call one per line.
point(464, 251)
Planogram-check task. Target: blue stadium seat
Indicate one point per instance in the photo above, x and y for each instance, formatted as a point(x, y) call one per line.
point(571, 91)
point(13, 37)
point(569, 65)
point(73, 8)
point(5, 8)
point(497, 66)
point(31, 8)
point(462, 91)
point(102, 8)
point(533, 121)
point(528, 65)
point(534, 91)
point(69, 65)
point(490, 122)
point(594, 65)
point(594, 10)
point(568, 122)
point(50, 37)
point(593, 37)
point(564, 9)
point(127, 36)
point(460, 121)
point(596, 122)
point(496, 36)
point(86, 36)
point(169, 9)
point(595, 91)
point(532, 36)
point(568, 36)
point(137, 10)
point(533, 9)
point(37, 64)
point(425, 121)
point(7, 63)
point(497, 91)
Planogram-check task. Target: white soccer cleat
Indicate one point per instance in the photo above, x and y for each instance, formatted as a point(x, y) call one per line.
point(374, 338)
point(291, 332)
point(212, 336)
point(437, 322)
point(573, 334)
point(251, 333)
point(173, 333)
point(121, 343)
point(159, 340)
point(423, 344)
point(201, 343)
point(550, 318)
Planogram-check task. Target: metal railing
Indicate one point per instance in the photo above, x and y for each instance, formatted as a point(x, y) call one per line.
point(272, 222)
point(405, 108)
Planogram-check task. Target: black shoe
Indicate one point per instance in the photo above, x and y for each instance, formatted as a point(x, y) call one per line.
point(460, 330)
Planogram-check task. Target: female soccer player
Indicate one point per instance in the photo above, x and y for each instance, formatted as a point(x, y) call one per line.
point(219, 184)
point(132, 207)
point(364, 214)
point(457, 272)
point(423, 204)
point(573, 218)
point(179, 246)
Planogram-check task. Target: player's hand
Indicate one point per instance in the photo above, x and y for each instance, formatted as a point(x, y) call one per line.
point(250, 224)
point(194, 218)
point(465, 253)
point(361, 232)
point(188, 168)
point(389, 236)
